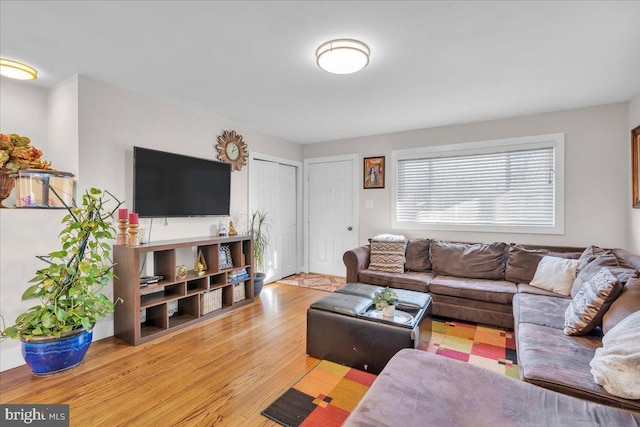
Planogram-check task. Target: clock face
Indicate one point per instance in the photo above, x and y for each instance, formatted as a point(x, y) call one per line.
point(232, 149)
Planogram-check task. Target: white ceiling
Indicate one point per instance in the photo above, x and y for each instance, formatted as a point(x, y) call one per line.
point(432, 63)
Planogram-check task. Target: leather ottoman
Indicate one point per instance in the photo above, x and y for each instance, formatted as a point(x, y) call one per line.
point(345, 328)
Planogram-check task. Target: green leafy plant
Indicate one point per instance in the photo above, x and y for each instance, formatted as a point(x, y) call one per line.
point(385, 298)
point(259, 228)
point(69, 287)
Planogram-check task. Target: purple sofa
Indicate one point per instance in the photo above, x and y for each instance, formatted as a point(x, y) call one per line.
point(417, 388)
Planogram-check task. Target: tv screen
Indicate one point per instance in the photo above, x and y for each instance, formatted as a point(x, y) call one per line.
point(173, 185)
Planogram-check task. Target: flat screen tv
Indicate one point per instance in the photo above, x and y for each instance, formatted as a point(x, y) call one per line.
point(173, 185)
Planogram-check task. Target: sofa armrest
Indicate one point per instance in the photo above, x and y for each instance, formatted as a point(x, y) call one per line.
point(356, 260)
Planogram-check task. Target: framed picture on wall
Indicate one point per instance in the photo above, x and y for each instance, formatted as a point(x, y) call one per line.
point(374, 172)
point(635, 167)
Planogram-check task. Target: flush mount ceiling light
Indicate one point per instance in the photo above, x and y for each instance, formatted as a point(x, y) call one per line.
point(17, 70)
point(342, 56)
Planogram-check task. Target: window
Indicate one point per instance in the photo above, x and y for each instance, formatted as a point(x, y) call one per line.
point(509, 185)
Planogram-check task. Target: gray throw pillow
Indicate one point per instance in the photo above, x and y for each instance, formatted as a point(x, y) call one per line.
point(591, 303)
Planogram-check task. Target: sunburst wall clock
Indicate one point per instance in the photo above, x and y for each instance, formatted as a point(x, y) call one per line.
point(232, 149)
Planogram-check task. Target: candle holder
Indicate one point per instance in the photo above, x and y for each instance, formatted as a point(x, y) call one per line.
point(134, 239)
point(121, 238)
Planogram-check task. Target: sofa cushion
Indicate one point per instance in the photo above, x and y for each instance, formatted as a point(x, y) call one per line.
point(417, 388)
point(523, 260)
point(413, 281)
point(555, 274)
point(496, 291)
point(417, 255)
point(473, 260)
point(540, 310)
point(619, 267)
point(388, 254)
point(549, 358)
point(590, 253)
point(524, 288)
point(627, 302)
point(591, 303)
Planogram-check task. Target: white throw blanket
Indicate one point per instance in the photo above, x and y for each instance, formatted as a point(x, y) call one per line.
point(616, 366)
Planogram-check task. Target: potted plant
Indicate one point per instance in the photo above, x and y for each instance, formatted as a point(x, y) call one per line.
point(386, 300)
point(259, 227)
point(56, 333)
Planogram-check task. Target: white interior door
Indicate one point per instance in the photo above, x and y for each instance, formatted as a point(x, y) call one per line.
point(332, 215)
point(274, 190)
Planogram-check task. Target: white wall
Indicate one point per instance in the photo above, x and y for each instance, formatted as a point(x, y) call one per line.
point(23, 110)
point(49, 119)
point(89, 128)
point(597, 155)
point(113, 120)
point(634, 214)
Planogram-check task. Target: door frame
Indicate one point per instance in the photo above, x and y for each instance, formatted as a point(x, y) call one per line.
point(299, 213)
point(354, 192)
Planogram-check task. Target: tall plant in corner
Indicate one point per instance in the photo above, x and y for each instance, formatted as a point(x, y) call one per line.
point(69, 287)
point(259, 228)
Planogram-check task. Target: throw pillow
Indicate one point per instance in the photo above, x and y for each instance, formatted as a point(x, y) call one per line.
point(627, 302)
point(388, 253)
point(619, 267)
point(418, 255)
point(615, 365)
point(555, 274)
point(591, 303)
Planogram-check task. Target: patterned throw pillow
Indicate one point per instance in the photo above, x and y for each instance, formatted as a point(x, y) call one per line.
point(591, 303)
point(388, 253)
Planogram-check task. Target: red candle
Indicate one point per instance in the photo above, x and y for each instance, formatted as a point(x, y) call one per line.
point(122, 213)
point(133, 218)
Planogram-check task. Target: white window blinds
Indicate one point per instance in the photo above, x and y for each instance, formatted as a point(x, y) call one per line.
point(514, 186)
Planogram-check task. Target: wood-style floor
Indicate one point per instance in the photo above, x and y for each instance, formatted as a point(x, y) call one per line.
point(221, 372)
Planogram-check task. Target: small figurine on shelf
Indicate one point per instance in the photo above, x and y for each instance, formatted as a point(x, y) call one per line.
point(232, 230)
point(201, 264)
point(181, 272)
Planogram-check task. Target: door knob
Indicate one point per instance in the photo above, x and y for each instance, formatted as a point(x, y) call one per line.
point(350, 228)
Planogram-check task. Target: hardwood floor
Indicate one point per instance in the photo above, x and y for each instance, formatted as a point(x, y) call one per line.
point(220, 372)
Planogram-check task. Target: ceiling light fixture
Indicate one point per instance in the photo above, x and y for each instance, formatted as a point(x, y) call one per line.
point(17, 70)
point(342, 56)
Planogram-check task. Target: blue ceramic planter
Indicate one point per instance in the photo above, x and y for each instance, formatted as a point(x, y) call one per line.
point(50, 355)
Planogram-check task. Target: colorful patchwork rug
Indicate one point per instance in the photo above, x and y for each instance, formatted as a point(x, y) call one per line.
point(315, 281)
point(485, 346)
point(324, 397)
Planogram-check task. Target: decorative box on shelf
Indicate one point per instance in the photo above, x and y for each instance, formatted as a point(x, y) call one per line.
point(35, 188)
point(210, 301)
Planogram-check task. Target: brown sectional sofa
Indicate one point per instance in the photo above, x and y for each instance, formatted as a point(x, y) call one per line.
point(489, 283)
point(467, 281)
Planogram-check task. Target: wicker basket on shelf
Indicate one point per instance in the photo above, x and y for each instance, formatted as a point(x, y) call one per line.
point(238, 292)
point(210, 301)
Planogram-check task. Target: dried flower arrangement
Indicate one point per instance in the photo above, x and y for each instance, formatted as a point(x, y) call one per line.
point(16, 152)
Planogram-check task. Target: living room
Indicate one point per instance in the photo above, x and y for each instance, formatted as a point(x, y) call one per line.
point(88, 126)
